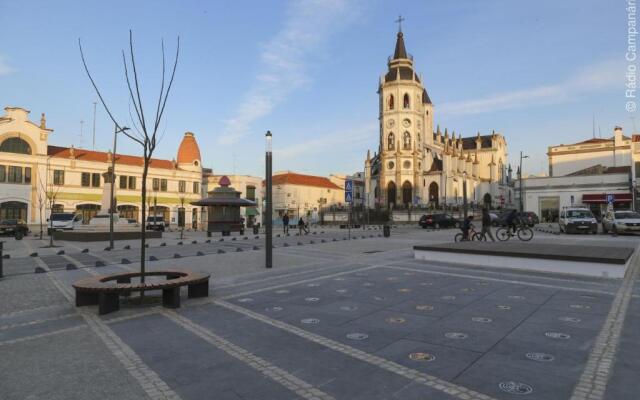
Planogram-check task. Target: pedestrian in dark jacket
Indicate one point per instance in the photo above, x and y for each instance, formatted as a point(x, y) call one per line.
point(285, 223)
point(486, 224)
point(466, 227)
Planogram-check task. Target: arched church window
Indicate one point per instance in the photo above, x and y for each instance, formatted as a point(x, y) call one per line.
point(15, 145)
point(418, 137)
point(390, 141)
point(406, 140)
point(406, 103)
point(391, 102)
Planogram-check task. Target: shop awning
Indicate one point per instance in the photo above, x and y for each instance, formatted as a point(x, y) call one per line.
point(602, 198)
point(251, 211)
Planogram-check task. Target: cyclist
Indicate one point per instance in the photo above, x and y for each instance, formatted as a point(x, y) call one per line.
point(511, 221)
point(466, 227)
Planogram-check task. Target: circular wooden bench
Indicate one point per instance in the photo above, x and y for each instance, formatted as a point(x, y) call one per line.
point(105, 291)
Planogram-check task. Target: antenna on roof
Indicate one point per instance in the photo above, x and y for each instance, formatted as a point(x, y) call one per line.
point(593, 126)
point(599, 132)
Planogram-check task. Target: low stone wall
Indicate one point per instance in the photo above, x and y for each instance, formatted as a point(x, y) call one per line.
point(74, 236)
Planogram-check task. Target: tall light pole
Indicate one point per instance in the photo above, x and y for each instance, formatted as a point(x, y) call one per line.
point(444, 206)
point(269, 204)
point(464, 194)
point(520, 180)
point(113, 180)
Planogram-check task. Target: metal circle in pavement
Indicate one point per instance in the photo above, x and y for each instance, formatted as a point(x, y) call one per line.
point(392, 278)
point(404, 290)
point(338, 279)
point(467, 290)
point(409, 273)
point(456, 335)
point(310, 321)
point(569, 319)
point(311, 299)
point(367, 284)
point(516, 297)
point(503, 307)
point(357, 336)
point(424, 307)
point(586, 296)
point(313, 284)
point(426, 284)
point(282, 291)
point(378, 298)
point(544, 357)
point(348, 308)
point(341, 290)
point(395, 320)
point(448, 297)
point(483, 283)
point(275, 308)
point(482, 319)
point(512, 387)
point(424, 357)
point(245, 300)
point(557, 335)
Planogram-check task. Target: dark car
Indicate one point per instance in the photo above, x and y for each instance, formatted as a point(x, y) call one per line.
point(438, 221)
point(527, 217)
point(15, 227)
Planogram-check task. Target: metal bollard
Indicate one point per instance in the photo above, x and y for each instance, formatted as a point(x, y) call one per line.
point(1, 260)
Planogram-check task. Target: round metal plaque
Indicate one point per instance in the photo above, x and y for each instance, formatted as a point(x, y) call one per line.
point(404, 290)
point(426, 284)
point(569, 319)
point(483, 283)
point(580, 306)
point(502, 307)
point(543, 357)
point(282, 291)
point(338, 279)
point(392, 279)
point(467, 290)
point(311, 299)
point(357, 336)
point(367, 284)
point(341, 290)
point(409, 273)
point(274, 309)
point(515, 387)
point(378, 298)
point(424, 307)
point(448, 297)
point(424, 357)
point(557, 335)
point(484, 320)
point(395, 320)
point(348, 308)
point(245, 300)
point(310, 321)
point(516, 297)
point(456, 335)
point(313, 284)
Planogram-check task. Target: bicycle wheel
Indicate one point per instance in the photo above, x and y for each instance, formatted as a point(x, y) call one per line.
point(458, 237)
point(479, 237)
point(503, 234)
point(525, 234)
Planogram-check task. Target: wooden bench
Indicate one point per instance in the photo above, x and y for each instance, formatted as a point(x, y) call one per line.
point(105, 291)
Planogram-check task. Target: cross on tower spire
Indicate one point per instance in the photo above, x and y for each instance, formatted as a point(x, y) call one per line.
point(399, 22)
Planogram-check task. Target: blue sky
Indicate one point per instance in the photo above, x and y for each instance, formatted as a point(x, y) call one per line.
point(308, 71)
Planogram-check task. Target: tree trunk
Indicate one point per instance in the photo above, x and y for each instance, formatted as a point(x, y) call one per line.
point(143, 240)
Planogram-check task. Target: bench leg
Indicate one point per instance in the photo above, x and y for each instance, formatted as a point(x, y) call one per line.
point(171, 297)
point(86, 298)
point(108, 302)
point(199, 290)
point(124, 280)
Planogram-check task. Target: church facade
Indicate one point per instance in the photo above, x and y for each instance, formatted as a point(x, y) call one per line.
point(416, 165)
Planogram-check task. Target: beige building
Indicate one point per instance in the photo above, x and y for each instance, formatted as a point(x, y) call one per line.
point(414, 164)
point(31, 170)
point(250, 188)
point(304, 195)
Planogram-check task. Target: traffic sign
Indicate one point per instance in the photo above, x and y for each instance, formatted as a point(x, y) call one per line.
point(610, 198)
point(348, 191)
point(348, 186)
point(348, 197)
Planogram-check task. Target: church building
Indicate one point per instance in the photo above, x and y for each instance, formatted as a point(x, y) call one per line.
point(416, 165)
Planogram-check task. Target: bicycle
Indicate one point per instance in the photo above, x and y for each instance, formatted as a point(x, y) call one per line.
point(523, 232)
point(473, 234)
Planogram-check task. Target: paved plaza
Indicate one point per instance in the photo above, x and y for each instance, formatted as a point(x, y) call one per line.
point(334, 319)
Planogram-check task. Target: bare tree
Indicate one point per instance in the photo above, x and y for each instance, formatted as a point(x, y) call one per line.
point(51, 191)
point(182, 197)
point(145, 134)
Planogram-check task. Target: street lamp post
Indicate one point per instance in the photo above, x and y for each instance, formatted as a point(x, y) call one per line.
point(113, 180)
point(520, 180)
point(269, 204)
point(464, 194)
point(444, 206)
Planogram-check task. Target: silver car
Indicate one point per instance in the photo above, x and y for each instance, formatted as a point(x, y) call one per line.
point(621, 222)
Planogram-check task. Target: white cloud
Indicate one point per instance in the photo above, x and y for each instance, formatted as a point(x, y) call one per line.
point(354, 135)
point(5, 69)
point(308, 25)
point(591, 79)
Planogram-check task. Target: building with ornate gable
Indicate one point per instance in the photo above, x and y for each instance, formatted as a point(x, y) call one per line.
point(419, 166)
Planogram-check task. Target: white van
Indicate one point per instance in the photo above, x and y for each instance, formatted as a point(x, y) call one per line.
point(576, 219)
point(63, 222)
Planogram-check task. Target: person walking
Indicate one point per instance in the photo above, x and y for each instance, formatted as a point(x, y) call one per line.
point(285, 223)
point(302, 226)
point(486, 224)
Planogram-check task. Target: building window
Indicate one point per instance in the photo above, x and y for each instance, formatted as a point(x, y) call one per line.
point(406, 103)
point(15, 145)
point(251, 193)
point(95, 180)
point(123, 182)
point(196, 187)
point(58, 177)
point(391, 102)
point(163, 185)
point(3, 173)
point(15, 174)
point(390, 141)
point(132, 182)
point(85, 179)
point(156, 184)
point(182, 186)
point(27, 175)
point(407, 140)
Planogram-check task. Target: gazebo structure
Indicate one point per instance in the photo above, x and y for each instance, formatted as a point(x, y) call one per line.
point(223, 208)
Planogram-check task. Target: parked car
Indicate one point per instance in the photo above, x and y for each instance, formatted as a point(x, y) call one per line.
point(15, 227)
point(577, 219)
point(63, 222)
point(155, 223)
point(438, 221)
point(621, 222)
